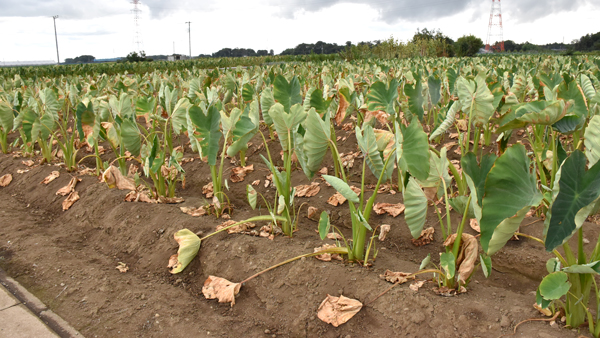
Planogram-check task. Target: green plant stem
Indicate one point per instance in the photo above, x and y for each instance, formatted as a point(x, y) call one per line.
point(243, 157)
point(4, 142)
point(469, 126)
point(437, 211)
point(459, 231)
point(555, 252)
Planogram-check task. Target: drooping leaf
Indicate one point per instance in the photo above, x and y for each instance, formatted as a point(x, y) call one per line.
point(415, 151)
point(592, 140)
point(6, 117)
point(368, 145)
point(342, 187)
point(448, 121)
point(286, 123)
point(477, 172)
point(578, 189)
point(266, 102)
point(85, 118)
point(247, 92)
point(252, 196)
point(435, 84)
point(415, 97)
point(510, 189)
point(189, 244)
point(132, 139)
point(448, 263)
point(592, 268)
point(415, 203)
point(486, 265)
point(425, 262)
point(316, 141)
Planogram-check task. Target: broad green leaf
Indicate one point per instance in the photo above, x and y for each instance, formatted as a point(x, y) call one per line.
point(448, 263)
point(476, 99)
point(587, 87)
point(189, 244)
point(592, 268)
point(6, 117)
point(572, 92)
point(122, 106)
point(510, 188)
point(316, 101)
point(486, 265)
point(415, 203)
point(382, 97)
point(415, 151)
point(46, 125)
point(50, 104)
point(555, 285)
point(342, 187)
point(415, 97)
point(324, 225)
point(145, 105)
point(206, 131)
point(244, 130)
point(286, 124)
point(130, 134)
point(505, 231)
point(541, 112)
point(578, 189)
point(316, 141)
point(287, 93)
point(592, 140)
point(540, 301)
point(281, 204)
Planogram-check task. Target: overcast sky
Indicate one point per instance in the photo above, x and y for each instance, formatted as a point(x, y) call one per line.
point(105, 29)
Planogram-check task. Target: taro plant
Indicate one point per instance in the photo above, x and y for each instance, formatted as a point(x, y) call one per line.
point(380, 163)
point(6, 125)
point(163, 172)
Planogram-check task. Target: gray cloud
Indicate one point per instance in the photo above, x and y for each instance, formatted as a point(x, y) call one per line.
point(65, 9)
point(159, 8)
point(393, 11)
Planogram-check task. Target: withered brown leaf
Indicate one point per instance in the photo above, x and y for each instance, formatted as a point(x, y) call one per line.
point(238, 174)
point(467, 255)
point(221, 289)
point(67, 189)
point(68, 202)
point(308, 190)
point(396, 277)
point(392, 209)
point(383, 231)
point(338, 310)
point(195, 212)
point(425, 238)
point(114, 179)
point(5, 180)
point(53, 175)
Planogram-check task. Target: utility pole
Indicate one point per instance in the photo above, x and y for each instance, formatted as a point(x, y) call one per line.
point(190, 37)
point(56, 38)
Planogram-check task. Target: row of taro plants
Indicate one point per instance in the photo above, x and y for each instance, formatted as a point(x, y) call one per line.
point(526, 134)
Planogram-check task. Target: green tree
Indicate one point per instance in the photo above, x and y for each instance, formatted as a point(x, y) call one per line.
point(467, 45)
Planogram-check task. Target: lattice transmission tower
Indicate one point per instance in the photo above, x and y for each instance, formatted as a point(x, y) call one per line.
point(138, 43)
point(495, 28)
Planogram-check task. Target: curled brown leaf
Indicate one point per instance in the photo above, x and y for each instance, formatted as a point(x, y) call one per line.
point(240, 228)
point(53, 175)
point(114, 179)
point(69, 188)
point(308, 190)
point(392, 209)
point(425, 238)
point(5, 180)
point(238, 174)
point(327, 257)
point(208, 190)
point(221, 289)
point(70, 200)
point(467, 255)
point(396, 277)
point(383, 231)
point(195, 212)
point(338, 310)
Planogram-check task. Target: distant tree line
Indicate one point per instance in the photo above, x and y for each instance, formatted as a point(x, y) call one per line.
point(587, 42)
point(239, 52)
point(81, 59)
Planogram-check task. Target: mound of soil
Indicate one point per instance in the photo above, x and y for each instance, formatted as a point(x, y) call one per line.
point(69, 258)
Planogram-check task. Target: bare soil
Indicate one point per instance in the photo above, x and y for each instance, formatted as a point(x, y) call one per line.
point(68, 259)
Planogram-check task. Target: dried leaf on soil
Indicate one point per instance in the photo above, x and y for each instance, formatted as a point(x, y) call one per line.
point(53, 175)
point(334, 235)
point(467, 255)
point(69, 188)
point(338, 199)
point(425, 238)
point(68, 202)
point(170, 200)
point(139, 196)
point(383, 231)
point(327, 257)
point(28, 163)
point(133, 169)
point(338, 310)
point(5, 180)
point(416, 285)
point(195, 212)
point(392, 209)
point(122, 267)
point(323, 171)
point(221, 289)
point(189, 244)
point(22, 171)
point(208, 190)
point(256, 182)
point(348, 126)
point(396, 277)
point(447, 292)
point(474, 224)
point(308, 190)
point(313, 213)
point(238, 174)
point(240, 228)
point(113, 178)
